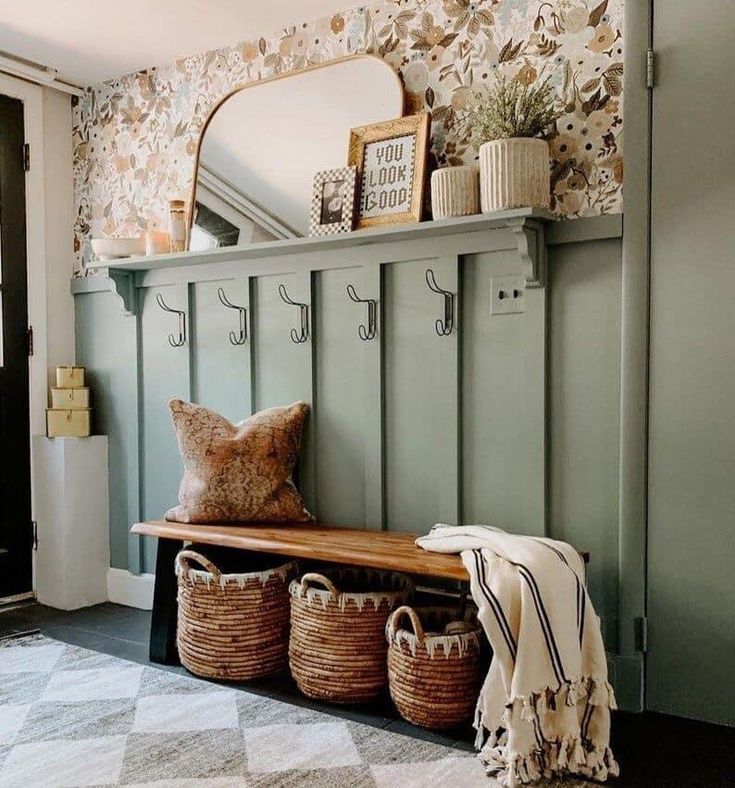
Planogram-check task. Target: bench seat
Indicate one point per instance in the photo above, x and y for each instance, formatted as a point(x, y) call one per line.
point(315, 541)
point(376, 549)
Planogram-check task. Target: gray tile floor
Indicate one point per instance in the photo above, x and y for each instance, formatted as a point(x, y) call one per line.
point(654, 750)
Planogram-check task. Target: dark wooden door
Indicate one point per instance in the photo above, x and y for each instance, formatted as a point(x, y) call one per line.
point(15, 465)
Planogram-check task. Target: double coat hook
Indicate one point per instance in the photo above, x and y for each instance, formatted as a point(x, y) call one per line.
point(303, 333)
point(241, 336)
point(366, 334)
point(173, 341)
point(443, 327)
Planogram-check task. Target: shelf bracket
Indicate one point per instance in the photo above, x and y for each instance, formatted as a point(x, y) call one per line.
point(122, 284)
point(531, 245)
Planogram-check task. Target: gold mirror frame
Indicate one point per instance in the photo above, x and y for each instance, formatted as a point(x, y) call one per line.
point(258, 83)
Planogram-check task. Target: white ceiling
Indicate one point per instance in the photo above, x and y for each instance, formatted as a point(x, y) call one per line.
point(90, 42)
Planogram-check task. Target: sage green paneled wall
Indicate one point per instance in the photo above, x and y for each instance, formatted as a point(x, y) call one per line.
point(346, 424)
point(106, 343)
point(584, 398)
point(421, 398)
point(164, 373)
point(463, 416)
point(210, 354)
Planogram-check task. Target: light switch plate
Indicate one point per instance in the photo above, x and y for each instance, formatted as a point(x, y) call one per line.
point(508, 295)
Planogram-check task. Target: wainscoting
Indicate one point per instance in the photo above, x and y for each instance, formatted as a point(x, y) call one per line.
point(508, 420)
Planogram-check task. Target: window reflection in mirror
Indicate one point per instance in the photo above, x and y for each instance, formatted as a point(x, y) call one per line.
point(210, 230)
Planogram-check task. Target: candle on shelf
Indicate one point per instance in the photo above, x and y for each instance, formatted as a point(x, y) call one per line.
point(177, 225)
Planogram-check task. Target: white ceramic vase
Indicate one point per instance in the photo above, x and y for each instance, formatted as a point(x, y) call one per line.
point(514, 173)
point(455, 191)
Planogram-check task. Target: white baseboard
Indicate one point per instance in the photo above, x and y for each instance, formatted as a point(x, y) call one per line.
point(125, 588)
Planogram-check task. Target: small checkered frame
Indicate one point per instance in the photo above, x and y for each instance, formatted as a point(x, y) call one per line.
point(347, 218)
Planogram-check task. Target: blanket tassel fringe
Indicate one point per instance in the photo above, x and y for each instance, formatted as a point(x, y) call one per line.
point(572, 754)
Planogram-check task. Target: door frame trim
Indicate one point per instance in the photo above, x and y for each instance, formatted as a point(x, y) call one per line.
point(635, 306)
point(32, 98)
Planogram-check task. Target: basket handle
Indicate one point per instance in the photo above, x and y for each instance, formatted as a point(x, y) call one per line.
point(185, 557)
point(405, 610)
point(315, 577)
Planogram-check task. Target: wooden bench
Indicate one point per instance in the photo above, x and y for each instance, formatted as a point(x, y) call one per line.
point(375, 549)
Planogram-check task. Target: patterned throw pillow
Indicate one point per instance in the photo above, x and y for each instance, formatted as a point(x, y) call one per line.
point(238, 472)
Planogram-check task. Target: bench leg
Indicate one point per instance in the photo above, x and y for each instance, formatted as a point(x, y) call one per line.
point(163, 621)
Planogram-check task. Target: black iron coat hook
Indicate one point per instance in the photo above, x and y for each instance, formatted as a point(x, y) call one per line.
point(443, 327)
point(366, 334)
point(241, 336)
point(303, 334)
point(182, 322)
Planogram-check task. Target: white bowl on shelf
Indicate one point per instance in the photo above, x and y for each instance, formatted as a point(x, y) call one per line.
point(116, 248)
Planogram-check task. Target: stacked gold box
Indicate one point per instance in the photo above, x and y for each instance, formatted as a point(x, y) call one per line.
point(69, 415)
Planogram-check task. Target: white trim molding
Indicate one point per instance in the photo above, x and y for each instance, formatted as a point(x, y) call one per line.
point(125, 588)
point(37, 73)
point(32, 98)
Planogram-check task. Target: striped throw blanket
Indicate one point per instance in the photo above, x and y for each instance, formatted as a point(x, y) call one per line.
point(544, 708)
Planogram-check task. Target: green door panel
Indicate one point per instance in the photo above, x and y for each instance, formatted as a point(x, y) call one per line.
point(164, 374)
point(220, 370)
point(421, 398)
point(691, 553)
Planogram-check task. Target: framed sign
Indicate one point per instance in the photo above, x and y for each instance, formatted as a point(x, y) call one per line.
point(390, 158)
point(333, 201)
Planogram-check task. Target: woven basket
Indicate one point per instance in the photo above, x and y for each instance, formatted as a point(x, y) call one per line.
point(434, 676)
point(337, 650)
point(232, 626)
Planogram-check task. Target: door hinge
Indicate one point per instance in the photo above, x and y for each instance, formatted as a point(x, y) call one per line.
point(650, 68)
point(26, 156)
point(641, 634)
point(34, 532)
point(29, 340)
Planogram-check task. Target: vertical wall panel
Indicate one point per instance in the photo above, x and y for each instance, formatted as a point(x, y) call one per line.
point(500, 472)
point(347, 455)
point(220, 370)
point(282, 369)
point(164, 374)
point(584, 394)
point(106, 344)
point(421, 399)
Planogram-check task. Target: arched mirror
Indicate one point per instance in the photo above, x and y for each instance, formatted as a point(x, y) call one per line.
point(263, 144)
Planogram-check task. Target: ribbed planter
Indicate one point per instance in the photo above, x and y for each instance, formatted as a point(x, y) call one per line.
point(514, 173)
point(455, 191)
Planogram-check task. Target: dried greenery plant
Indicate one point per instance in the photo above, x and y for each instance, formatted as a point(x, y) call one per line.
point(511, 108)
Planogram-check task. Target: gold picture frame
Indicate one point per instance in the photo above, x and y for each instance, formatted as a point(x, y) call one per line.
point(408, 192)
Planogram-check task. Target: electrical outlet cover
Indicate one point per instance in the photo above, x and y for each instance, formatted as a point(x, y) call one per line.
point(508, 295)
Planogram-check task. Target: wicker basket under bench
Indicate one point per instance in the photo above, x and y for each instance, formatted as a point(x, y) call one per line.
point(375, 549)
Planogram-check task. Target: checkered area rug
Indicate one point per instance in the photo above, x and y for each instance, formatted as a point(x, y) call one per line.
point(72, 717)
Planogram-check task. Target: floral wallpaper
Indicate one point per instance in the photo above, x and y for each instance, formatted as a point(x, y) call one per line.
point(135, 138)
